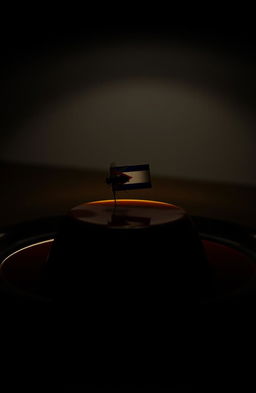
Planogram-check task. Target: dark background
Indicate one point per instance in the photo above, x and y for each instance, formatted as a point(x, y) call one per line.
point(81, 88)
point(173, 92)
point(44, 176)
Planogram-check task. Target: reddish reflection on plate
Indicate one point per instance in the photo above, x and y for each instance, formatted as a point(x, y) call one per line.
point(231, 268)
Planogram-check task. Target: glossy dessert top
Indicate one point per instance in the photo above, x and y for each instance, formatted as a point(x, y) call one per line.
point(127, 213)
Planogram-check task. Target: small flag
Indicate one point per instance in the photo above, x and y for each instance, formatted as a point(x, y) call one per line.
point(129, 177)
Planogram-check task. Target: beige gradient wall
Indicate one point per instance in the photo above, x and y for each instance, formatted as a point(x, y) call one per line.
point(188, 111)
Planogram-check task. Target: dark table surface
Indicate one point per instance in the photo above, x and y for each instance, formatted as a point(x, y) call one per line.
point(31, 192)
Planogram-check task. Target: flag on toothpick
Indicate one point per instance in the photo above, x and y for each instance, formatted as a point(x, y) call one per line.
point(129, 177)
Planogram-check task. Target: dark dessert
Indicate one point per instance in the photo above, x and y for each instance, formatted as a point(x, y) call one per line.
point(132, 254)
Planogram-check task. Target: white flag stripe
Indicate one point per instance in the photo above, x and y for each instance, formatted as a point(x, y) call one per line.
point(138, 177)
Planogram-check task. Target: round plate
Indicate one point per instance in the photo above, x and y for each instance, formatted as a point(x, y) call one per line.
point(230, 250)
